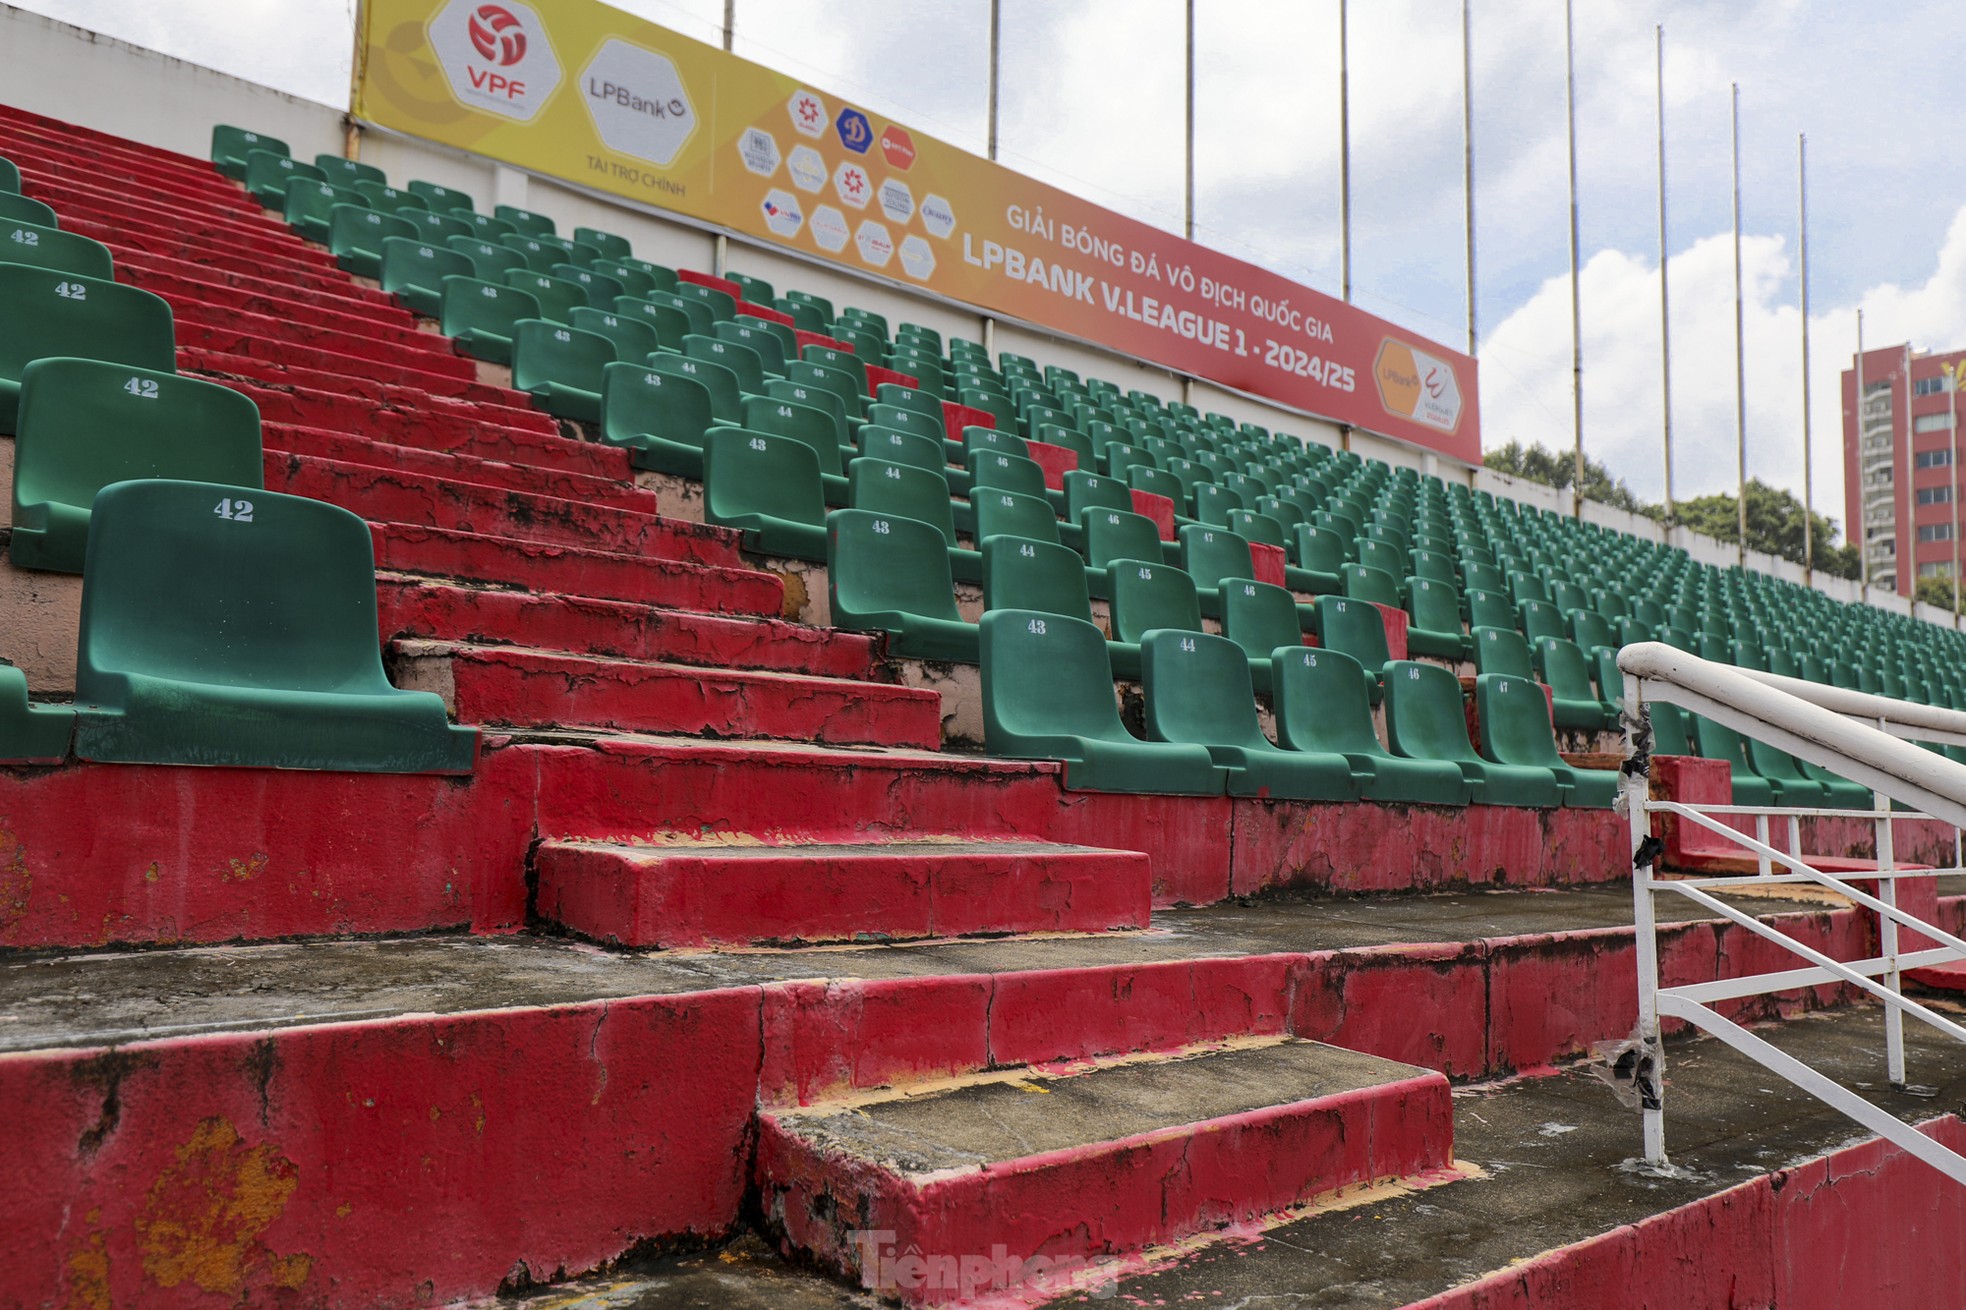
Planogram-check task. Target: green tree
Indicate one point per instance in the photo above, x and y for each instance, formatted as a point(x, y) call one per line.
point(1937, 591)
point(1537, 464)
point(1774, 526)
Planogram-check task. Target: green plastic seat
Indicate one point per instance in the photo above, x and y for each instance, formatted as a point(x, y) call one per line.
point(1198, 693)
point(1562, 666)
point(388, 199)
point(355, 236)
point(533, 225)
point(1007, 513)
point(52, 313)
point(1356, 628)
point(85, 424)
point(231, 626)
point(891, 574)
point(50, 247)
point(557, 297)
point(743, 362)
point(721, 304)
point(539, 255)
point(308, 207)
point(1433, 611)
point(1364, 582)
point(1024, 574)
point(25, 209)
point(1145, 596)
point(802, 423)
point(726, 399)
point(1259, 617)
point(767, 486)
point(1802, 789)
point(1320, 560)
point(1321, 705)
point(1048, 695)
point(1502, 650)
point(610, 245)
point(750, 334)
point(413, 271)
point(900, 447)
point(480, 315)
point(442, 199)
point(1516, 733)
point(1426, 720)
point(232, 147)
point(671, 324)
point(1209, 555)
point(904, 491)
point(910, 420)
point(813, 398)
point(30, 733)
point(560, 367)
point(347, 172)
point(269, 174)
point(1004, 472)
point(756, 290)
point(660, 419)
point(634, 339)
point(440, 228)
point(602, 290)
point(1717, 742)
point(1538, 619)
point(490, 260)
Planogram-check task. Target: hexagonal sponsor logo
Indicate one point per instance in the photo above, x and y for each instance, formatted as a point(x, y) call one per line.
point(937, 216)
point(759, 151)
point(829, 229)
point(853, 185)
point(898, 147)
point(495, 56)
point(1416, 385)
point(876, 246)
point(807, 167)
point(808, 113)
point(638, 102)
point(897, 201)
point(856, 133)
point(917, 259)
point(782, 213)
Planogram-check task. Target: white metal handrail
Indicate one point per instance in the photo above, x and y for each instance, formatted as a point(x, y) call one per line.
point(1862, 737)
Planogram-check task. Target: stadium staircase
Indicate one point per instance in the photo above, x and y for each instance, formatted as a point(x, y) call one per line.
point(727, 937)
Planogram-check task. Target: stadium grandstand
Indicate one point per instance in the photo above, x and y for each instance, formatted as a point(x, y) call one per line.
point(560, 752)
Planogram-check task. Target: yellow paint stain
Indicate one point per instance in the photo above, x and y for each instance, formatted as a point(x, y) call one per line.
point(150, 874)
point(244, 870)
point(85, 1281)
point(477, 1113)
point(204, 1215)
point(343, 1210)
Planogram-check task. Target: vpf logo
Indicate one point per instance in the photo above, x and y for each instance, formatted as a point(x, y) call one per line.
point(496, 55)
point(498, 34)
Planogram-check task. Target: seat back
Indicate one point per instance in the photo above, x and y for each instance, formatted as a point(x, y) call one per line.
point(231, 147)
point(747, 334)
point(1364, 582)
point(1198, 690)
point(1563, 666)
point(887, 563)
point(388, 199)
point(610, 245)
point(671, 324)
point(409, 264)
point(902, 491)
point(1148, 595)
point(742, 361)
point(52, 313)
point(748, 474)
point(1515, 721)
point(347, 172)
point(1720, 742)
point(1259, 617)
point(1321, 702)
point(1425, 718)
point(602, 290)
point(442, 227)
point(634, 339)
point(1212, 554)
point(639, 401)
point(907, 420)
point(268, 175)
point(85, 424)
point(721, 304)
point(1005, 472)
point(469, 305)
point(50, 247)
point(1354, 627)
point(1501, 650)
point(1007, 513)
point(441, 199)
point(524, 220)
point(1084, 490)
point(819, 376)
point(726, 400)
point(899, 447)
point(489, 262)
point(24, 209)
point(1117, 534)
point(309, 205)
point(1028, 574)
point(557, 297)
point(206, 583)
point(546, 352)
point(1433, 606)
point(1046, 676)
point(354, 229)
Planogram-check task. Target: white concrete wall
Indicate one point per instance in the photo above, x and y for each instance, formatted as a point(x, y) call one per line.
point(67, 73)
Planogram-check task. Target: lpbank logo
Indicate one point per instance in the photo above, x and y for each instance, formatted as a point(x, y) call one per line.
point(496, 56)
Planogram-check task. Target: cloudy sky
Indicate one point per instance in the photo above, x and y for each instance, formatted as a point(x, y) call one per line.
point(1092, 101)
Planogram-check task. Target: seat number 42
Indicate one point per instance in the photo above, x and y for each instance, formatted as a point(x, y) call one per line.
point(239, 511)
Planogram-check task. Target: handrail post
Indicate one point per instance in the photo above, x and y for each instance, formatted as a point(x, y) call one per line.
point(1887, 940)
point(1634, 785)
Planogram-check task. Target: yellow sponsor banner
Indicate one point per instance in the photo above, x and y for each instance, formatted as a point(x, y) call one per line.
point(582, 92)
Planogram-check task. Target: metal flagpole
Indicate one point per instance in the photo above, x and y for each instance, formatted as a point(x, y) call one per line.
point(1467, 156)
point(1863, 493)
point(1740, 344)
point(720, 255)
point(730, 22)
point(1576, 290)
point(1953, 375)
point(1665, 298)
point(1345, 148)
point(1808, 450)
point(996, 27)
point(1188, 209)
point(1908, 571)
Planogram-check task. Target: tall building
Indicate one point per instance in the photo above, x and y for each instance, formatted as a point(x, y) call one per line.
point(1900, 463)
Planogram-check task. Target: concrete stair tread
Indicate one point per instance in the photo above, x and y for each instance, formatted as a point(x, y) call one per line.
point(900, 848)
point(538, 687)
point(1018, 1114)
point(454, 465)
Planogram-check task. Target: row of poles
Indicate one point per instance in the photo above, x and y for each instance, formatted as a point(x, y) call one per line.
point(1576, 289)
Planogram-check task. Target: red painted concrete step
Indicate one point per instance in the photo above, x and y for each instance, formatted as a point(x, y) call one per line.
point(1019, 1181)
point(236, 359)
point(416, 607)
point(514, 687)
point(685, 892)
